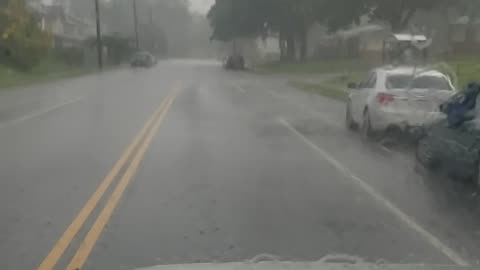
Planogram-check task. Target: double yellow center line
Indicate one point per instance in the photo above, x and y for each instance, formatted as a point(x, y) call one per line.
point(135, 153)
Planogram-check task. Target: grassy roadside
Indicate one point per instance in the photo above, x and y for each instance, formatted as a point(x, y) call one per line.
point(463, 68)
point(45, 71)
point(327, 90)
point(314, 67)
point(467, 69)
point(334, 87)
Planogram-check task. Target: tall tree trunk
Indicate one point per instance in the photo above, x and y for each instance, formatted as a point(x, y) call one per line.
point(399, 20)
point(282, 45)
point(405, 19)
point(303, 45)
point(290, 46)
point(448, 29)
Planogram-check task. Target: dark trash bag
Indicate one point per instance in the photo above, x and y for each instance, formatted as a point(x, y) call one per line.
point(458, 109)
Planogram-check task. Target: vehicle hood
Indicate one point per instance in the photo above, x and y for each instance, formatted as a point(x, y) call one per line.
point(302, 266)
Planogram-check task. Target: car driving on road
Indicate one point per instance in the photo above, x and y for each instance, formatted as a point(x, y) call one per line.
point(396, 98)
point(234, 62)
point(143, 59)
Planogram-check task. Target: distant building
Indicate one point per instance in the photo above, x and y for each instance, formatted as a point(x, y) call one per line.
point(268, 48)
point(67, 30)
point(450, 33)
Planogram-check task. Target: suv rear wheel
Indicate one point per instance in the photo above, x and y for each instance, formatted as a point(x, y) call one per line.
point(350, 124)
point(366, 130)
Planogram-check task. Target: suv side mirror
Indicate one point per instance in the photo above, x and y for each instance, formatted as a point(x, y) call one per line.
point(352, 85)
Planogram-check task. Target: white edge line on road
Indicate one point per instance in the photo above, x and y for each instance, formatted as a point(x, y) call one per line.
point(434, 241)
point(330, 122)
point(304, 107)
point(41, 112)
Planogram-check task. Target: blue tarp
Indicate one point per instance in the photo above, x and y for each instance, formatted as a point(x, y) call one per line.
point(460, 107)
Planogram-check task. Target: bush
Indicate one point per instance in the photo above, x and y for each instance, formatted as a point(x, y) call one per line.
point(22, 43)
point(119, 49)
point(69, 56)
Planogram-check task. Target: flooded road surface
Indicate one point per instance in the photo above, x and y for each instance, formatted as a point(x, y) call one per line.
point(229, 166)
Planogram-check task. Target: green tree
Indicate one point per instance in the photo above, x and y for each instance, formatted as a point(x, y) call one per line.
point(304, 15)
point(471, 9)
point(230, 19)
point(22, 43)
point(251, 18)
point(165, 23)
point(335, 15)
point(291, 19)
point(119, 48)
point(399, 12)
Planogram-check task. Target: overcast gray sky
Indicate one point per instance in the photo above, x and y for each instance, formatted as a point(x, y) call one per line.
point(201, 6)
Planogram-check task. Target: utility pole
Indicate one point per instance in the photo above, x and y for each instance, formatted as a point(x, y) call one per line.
point(136, 24)
point(99, 36)
point(152, 39)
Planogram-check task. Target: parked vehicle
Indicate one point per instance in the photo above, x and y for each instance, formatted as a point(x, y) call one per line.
point(453, 142)
point(396, 98)
point(143, 59)
point(234, 62)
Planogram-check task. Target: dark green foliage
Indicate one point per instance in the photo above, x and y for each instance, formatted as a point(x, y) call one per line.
point(119, 49)
point(70, 56)
point(22, 43)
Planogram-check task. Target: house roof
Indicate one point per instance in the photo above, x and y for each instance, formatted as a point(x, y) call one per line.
point(465, 20)
point(368, 28)
point(409, 37)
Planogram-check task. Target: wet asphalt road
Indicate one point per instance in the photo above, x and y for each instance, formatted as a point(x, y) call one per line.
point(241, 165)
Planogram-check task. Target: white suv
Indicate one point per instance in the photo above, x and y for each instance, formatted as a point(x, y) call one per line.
point(398, 97)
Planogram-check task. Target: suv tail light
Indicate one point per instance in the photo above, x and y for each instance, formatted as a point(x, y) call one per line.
point(384, 98)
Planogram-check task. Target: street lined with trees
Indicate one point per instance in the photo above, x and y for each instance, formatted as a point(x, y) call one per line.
point(38, 38)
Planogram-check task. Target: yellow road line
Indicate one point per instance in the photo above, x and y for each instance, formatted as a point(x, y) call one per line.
point(62, 244)
point(92, 236)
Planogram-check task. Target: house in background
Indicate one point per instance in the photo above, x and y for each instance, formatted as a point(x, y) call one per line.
point(363, 42)
point(268, 48)
point(450, 34)
point(67, 30)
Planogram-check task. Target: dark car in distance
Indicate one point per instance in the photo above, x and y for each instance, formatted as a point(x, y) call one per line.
point(143, 59)
point(234, 62)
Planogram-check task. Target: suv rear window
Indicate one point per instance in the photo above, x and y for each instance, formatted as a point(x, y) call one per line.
point(431, 82)
point(398, 81)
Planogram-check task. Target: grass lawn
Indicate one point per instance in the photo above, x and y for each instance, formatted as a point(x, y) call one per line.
point(466, 68)
point(336, 92)
point(44, 71)
point(312, 67)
